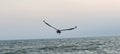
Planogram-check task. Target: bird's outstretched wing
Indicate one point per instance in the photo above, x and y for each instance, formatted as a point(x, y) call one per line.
point(68, 29)
point(49, 25)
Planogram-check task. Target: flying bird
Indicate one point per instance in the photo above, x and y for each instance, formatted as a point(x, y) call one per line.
point(58, 30)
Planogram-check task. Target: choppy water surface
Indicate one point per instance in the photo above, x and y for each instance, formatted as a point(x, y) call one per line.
point(104, 45)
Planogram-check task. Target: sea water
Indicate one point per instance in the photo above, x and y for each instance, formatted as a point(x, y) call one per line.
point(88, 45)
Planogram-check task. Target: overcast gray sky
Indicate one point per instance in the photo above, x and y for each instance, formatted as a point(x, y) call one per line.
point(22, 19)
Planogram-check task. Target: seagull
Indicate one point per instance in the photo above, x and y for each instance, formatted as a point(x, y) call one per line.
point(58, 31)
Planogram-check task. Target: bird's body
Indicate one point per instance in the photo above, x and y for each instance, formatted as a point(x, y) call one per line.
point(58, 30)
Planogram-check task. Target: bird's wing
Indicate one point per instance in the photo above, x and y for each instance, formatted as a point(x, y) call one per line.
point(49, 25)
point(68, 29)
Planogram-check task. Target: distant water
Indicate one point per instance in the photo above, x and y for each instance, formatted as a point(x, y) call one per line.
point(102, 45)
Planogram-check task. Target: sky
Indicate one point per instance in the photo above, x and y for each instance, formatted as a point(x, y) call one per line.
point(23, 19)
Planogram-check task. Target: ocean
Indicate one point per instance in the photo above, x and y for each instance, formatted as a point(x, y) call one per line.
point(87, 45)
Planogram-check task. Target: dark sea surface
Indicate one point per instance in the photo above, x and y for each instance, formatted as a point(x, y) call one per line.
point(88, 45)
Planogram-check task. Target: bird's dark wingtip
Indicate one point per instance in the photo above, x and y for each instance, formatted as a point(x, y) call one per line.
point(44, 21)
